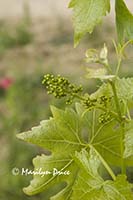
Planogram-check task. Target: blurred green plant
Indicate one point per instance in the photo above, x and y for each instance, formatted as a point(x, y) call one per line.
point(18, 106)
point(19, 36)
point(16, 35)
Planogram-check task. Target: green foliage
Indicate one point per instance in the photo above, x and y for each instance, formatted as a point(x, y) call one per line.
point(124, 21)
point(87, 14)
point(18, 35)
point(90, 185)
point(97, 133)
point(128, 153)
point(7, 40)
point(18, 111)
point(62, 135)
point(23, 35)
point(21, 100)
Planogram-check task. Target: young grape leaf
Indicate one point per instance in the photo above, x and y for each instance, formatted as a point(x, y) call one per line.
point(128, 153)
point(90, 185)
point(124, 21)
point(105, 137)
point(93, 56)
point(61, 136)
point(104, 53)
point(87, 14)
point(64, 134)
point(100, 73)
point(51, 166)
point(124, 89)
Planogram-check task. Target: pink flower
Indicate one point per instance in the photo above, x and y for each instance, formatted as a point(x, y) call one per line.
point(5, 83)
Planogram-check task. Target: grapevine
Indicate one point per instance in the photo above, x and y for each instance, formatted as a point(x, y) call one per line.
point(94, 134)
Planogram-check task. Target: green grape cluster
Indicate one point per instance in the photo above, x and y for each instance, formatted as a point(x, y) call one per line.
point(61, 87)
point(104, 117)
point(104, 101)
point(89, 103)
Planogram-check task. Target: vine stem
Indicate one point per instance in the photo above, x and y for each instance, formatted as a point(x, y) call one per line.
point(112, 83)
point(118, 66)
point(105, 164)
point(120, 54)
point(126, 44)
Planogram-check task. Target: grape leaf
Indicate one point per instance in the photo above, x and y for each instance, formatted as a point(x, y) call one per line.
point(100, 73)
point(90, 185)
point(52, 164)
point(104, 137)
point(62, 135)
point(124, 21)
point(87, 14)
point(93, 56)
point(124, 89)
point(128, 153)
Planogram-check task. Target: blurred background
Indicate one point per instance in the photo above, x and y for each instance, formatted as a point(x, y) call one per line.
point(36, 38)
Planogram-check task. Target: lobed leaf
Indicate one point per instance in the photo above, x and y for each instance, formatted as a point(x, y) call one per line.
point(63, 135)
point(87, 14)
point(128, 153)
point(100, 73)
point(124, 22)
point(104, 137)
point(90, 185)
point(69, 131)
point(124, 89)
